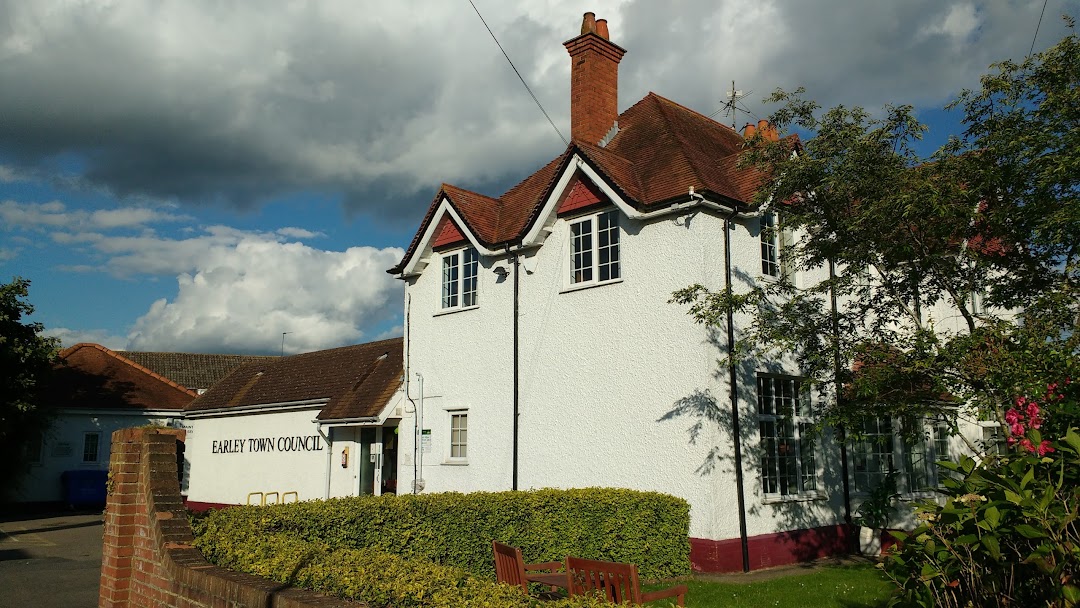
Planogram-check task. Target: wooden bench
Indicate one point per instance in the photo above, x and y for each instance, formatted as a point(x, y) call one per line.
point(510, 568)
point(619, 582)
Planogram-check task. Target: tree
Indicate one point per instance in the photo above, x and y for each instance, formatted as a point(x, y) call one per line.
point(26, 360)
point(989, 225)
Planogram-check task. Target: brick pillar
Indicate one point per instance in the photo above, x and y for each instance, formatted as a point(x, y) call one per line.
point(141, 458)
point(148, 557)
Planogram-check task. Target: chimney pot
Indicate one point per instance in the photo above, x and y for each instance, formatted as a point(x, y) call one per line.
point(601, 28)
point(588, 24)
point(768, 130)
point(749, 130)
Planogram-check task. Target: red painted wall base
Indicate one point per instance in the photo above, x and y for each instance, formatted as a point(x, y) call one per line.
point(768, 550)
point(197, 506)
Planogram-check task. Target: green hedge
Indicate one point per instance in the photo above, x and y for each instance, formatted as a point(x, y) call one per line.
point(645, 528)
point(369, 575)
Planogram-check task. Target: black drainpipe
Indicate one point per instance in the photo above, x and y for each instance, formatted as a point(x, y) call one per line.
point(734, 385)
point(839, 389)
point(517, 268)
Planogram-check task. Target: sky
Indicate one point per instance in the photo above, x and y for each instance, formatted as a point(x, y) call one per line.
point(205, 176)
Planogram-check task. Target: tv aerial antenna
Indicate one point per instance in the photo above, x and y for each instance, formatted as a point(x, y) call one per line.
point(730, 107)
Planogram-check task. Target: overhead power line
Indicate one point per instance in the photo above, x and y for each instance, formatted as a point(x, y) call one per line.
point(518, 73)
point(1041, 13)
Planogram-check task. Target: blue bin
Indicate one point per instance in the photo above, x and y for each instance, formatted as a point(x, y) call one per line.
point(85, 488)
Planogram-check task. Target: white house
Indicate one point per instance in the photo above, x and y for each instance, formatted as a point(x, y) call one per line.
point(315, 425)
point(93, 392)
point(542, 350)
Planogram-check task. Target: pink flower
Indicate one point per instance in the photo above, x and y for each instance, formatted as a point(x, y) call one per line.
point(1027, 445)
point(1017, 429)
point(1020, 401)
point(1011, 441)
point(1044, 448)
point(1032, 409)
point(1012, 416)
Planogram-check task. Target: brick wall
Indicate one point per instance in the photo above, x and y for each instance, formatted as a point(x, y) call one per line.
point(148, 558)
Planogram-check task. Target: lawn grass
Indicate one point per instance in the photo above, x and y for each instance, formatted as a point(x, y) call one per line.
point(847, 586)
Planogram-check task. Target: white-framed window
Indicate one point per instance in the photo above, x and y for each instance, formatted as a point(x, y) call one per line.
point(770, 245)
point(886, 446)
point(594, 248)
point(786, 430)
point(459, 273)
point(459, 435)
point(91, 445)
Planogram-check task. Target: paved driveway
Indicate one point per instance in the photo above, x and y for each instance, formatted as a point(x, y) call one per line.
point(50, 560)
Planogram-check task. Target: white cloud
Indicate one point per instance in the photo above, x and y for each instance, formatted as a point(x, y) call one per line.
point(959, 22)
point(8, 254)
point(298, 233)
point(55, 214)
point(71, 337)
point(241, 299)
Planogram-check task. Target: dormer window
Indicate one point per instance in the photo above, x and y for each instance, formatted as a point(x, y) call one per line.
point(594, 248)
point(459, 272)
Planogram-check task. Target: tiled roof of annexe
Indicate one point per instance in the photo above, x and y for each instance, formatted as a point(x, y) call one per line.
point(92, 376)
point(192, 370)
point(661, 149)
point(358, 381)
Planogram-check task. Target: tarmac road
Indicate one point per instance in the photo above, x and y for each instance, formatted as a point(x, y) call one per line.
point(50, 561)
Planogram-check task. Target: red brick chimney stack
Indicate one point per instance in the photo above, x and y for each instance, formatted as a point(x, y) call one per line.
point(594, 81)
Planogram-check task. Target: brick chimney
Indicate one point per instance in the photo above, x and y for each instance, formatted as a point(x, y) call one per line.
point(594, 81)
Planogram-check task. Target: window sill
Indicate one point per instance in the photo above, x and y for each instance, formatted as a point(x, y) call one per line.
point(450, 311)
point(775, 499)
point(590, 285)
point(456, 462)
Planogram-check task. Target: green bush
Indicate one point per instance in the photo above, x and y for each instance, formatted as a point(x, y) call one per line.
point(369, 575)
point(1007, 535)
point(451, 529)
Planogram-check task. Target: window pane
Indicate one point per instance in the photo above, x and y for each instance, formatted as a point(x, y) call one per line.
point(90, 447)
point(459, 435)
point(581, 251)
point(789, 462)
point(450, 281)
point(873, 454)
point(769, 475)
point(770, 246)
point(807, 461)
point(469, 275)
point(608, 240)
point(787, 458)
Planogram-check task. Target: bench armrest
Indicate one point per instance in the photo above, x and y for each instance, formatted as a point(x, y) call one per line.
point(678, 590)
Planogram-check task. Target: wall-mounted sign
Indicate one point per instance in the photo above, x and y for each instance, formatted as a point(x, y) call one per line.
point(425, 441)
point(256, 445)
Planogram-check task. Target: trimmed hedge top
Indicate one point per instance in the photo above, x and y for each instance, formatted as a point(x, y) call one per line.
point(452, 529)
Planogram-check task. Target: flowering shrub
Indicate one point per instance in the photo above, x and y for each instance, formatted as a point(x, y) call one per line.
point(1008, 533)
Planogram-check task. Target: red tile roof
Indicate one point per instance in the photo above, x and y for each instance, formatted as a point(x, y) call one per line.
point(660, 151)
point(357, 380)
point(92, 376)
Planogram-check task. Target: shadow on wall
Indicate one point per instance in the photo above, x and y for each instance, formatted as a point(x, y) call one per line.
point(712, 421)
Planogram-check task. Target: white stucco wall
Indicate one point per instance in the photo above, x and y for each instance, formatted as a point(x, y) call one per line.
point(225, 460)
point(614, 380)
point(63, 445)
